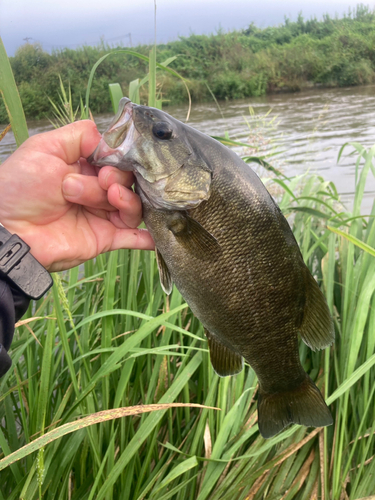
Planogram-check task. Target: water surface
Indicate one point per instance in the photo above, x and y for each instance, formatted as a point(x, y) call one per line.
point(308, 127)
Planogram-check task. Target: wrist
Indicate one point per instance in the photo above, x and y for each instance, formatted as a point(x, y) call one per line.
point(20, 268)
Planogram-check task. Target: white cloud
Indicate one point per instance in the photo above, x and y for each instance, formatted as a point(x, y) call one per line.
point(72, 22)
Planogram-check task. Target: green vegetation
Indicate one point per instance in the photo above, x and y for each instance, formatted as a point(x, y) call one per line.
point(11, 99)
point(110, 338)
point(252, 62)
point(106, 339)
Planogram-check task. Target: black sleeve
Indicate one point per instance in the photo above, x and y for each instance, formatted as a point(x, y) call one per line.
point(13, 305)
point(22, 278)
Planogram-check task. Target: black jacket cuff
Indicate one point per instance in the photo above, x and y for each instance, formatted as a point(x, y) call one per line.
point(13, 305)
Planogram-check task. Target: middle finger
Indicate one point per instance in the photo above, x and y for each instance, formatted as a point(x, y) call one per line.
point(111, 175)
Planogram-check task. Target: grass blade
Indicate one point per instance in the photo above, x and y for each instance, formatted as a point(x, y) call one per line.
point(103, 416)
point(12, 100)
point(116, 94)
point(354, 240)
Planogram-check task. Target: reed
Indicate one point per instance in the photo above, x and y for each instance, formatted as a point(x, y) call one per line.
point(107, 339)
point(11, 98)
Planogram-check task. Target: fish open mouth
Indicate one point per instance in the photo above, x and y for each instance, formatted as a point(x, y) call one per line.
point(117, 140)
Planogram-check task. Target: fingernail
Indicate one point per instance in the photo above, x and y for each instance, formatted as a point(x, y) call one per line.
point(106, 178)
point(124, 193)
point(72, 186)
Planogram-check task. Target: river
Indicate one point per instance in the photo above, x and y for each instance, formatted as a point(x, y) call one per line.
point(307, 128)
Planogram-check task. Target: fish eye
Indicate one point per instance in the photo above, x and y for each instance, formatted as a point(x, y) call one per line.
point(162, 130)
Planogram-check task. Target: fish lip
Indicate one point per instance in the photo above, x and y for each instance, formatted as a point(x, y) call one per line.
point(109, 151)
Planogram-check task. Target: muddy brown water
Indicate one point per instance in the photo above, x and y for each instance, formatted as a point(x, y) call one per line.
point(307, 128)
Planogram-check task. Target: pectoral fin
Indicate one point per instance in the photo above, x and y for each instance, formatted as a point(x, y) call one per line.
point(192, 236)
point(165, 277)
point(224, 361)
point(317, 329)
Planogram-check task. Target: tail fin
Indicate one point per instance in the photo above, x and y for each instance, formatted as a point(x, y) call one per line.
point(303, 405)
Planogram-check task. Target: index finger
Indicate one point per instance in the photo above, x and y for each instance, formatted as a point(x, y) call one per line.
point(69, 143)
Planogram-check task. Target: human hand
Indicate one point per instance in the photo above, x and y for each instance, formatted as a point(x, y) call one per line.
point(62, 207)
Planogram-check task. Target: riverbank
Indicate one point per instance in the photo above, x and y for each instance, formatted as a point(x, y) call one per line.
point(287, 58)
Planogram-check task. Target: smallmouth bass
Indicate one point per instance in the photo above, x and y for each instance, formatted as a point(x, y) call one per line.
point(224, 242)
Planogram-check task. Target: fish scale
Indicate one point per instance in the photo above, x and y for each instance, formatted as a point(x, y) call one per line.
point(223, 241)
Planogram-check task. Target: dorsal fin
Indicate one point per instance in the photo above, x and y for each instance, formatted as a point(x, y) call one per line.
point(224, 361)
point(316, 329)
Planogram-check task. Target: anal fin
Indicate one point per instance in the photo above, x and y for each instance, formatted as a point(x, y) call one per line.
point(317, 329)
point(165, 276)
point(225, 362)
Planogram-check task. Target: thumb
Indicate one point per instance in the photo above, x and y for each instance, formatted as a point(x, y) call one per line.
point(69, 143)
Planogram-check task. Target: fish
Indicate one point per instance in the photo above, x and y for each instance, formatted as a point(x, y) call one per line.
point(222, 240)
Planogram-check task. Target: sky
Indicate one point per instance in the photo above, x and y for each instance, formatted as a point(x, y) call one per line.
point(70, 23)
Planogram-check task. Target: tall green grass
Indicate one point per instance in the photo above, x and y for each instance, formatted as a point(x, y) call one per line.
point(11, 98)
point(106, 337)
point(109, 338)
